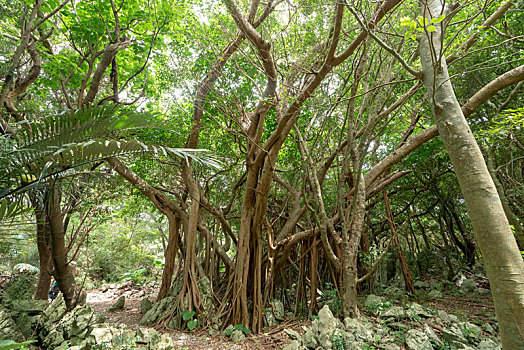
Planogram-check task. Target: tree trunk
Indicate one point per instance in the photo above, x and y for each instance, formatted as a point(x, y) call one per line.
point(62, 271)
point(44, 254)
point(351, 242)
point(170, 253)
point(502, 259)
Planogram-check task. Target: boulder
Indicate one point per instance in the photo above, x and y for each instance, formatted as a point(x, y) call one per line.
point(433, 337)
point(469, 286)
point(359, 328)
point(294, 345)
point(19, 268)
point(294, 335)
point(434, 294)
point(309, 340)
point(421, 284)
point(372, 300)
point(324, 327)
point(278, 309)
point(417, 340)
point(443, 316)
point(237, 336)
point(418, 310)
point(8, 327)
point(454, 336)
point(395, 312)
point(488, 344)
point(145, 305)
point(470, 330)
point(119, 305)
point(30, 307)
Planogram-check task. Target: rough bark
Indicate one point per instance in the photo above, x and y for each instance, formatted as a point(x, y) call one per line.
point(62, 270)
point(503, 262)
point(44, 255)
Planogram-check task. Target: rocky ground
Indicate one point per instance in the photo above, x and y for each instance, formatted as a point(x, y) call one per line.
point(439, 316)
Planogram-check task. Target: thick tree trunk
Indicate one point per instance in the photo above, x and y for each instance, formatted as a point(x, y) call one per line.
point(62, 271)
point(502, 259)
point(44, 255)
point(350, 245)
point(170, 253)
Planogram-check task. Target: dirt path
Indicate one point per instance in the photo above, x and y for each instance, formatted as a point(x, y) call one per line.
point(102, 299)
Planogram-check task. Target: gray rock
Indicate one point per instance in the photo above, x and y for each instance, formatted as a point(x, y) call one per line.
point(55, 311)
point(119, 305)
point(396, 312)
point(454, 336)
point(325, 327)
point(417, 340)
point(434, 294)
point(359, 328)
point(487, 328)
point(229, 329)
point(443, 316)
point(421, 284)
point(18, 268)
point(309, 340)
point(374, 300)
point(8, 327)
point(453, 318)
point(278, 309)
point(145, 305)
point(470, 331)
point(237, 336)
point(30, 307)
point(488, 344)
point(294, 335)
point(432, 336)
point(468, 286)
point(294, 345)
point(418, 310)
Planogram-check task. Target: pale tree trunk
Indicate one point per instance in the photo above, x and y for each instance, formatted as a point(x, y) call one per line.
point(351, 243)
point(502, 259)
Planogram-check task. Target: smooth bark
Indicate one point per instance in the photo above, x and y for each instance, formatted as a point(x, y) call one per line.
point(502, 259)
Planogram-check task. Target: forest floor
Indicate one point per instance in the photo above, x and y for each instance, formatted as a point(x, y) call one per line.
point(472, 307)
point(102, 299)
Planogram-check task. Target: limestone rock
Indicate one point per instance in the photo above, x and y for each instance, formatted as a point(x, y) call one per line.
point(18, 268)
point(443, 316)
point(30, 307)
point(470, 331)
point(55, 311)
point(469, 286)
point(237, 336)
point(119, 305)
point(309, 340)
point(361, 329)
point(374, 300)
point(324, 327)
point(396, 312)
point(454, 336)
point(418, 310)
point(278, 309)
point(432, 336)
point(294, 335)
point(294, 345)
point(434, 294)
point(488, 344)
point(421, 284)
point(417, 340)
point(8, 328)
point(145, 305)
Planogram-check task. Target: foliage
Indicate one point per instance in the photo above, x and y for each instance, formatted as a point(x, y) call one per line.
point(9, 344)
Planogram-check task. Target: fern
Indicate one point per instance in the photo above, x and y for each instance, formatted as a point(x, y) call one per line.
point(54, 145)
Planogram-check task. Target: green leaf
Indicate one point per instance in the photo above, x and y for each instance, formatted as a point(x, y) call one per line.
point(186, 315)
point(438, 19)
point(431, 28)
point(192, 324)
point(9, 344)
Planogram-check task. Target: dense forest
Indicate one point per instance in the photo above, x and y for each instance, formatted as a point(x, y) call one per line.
point(311, 170)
